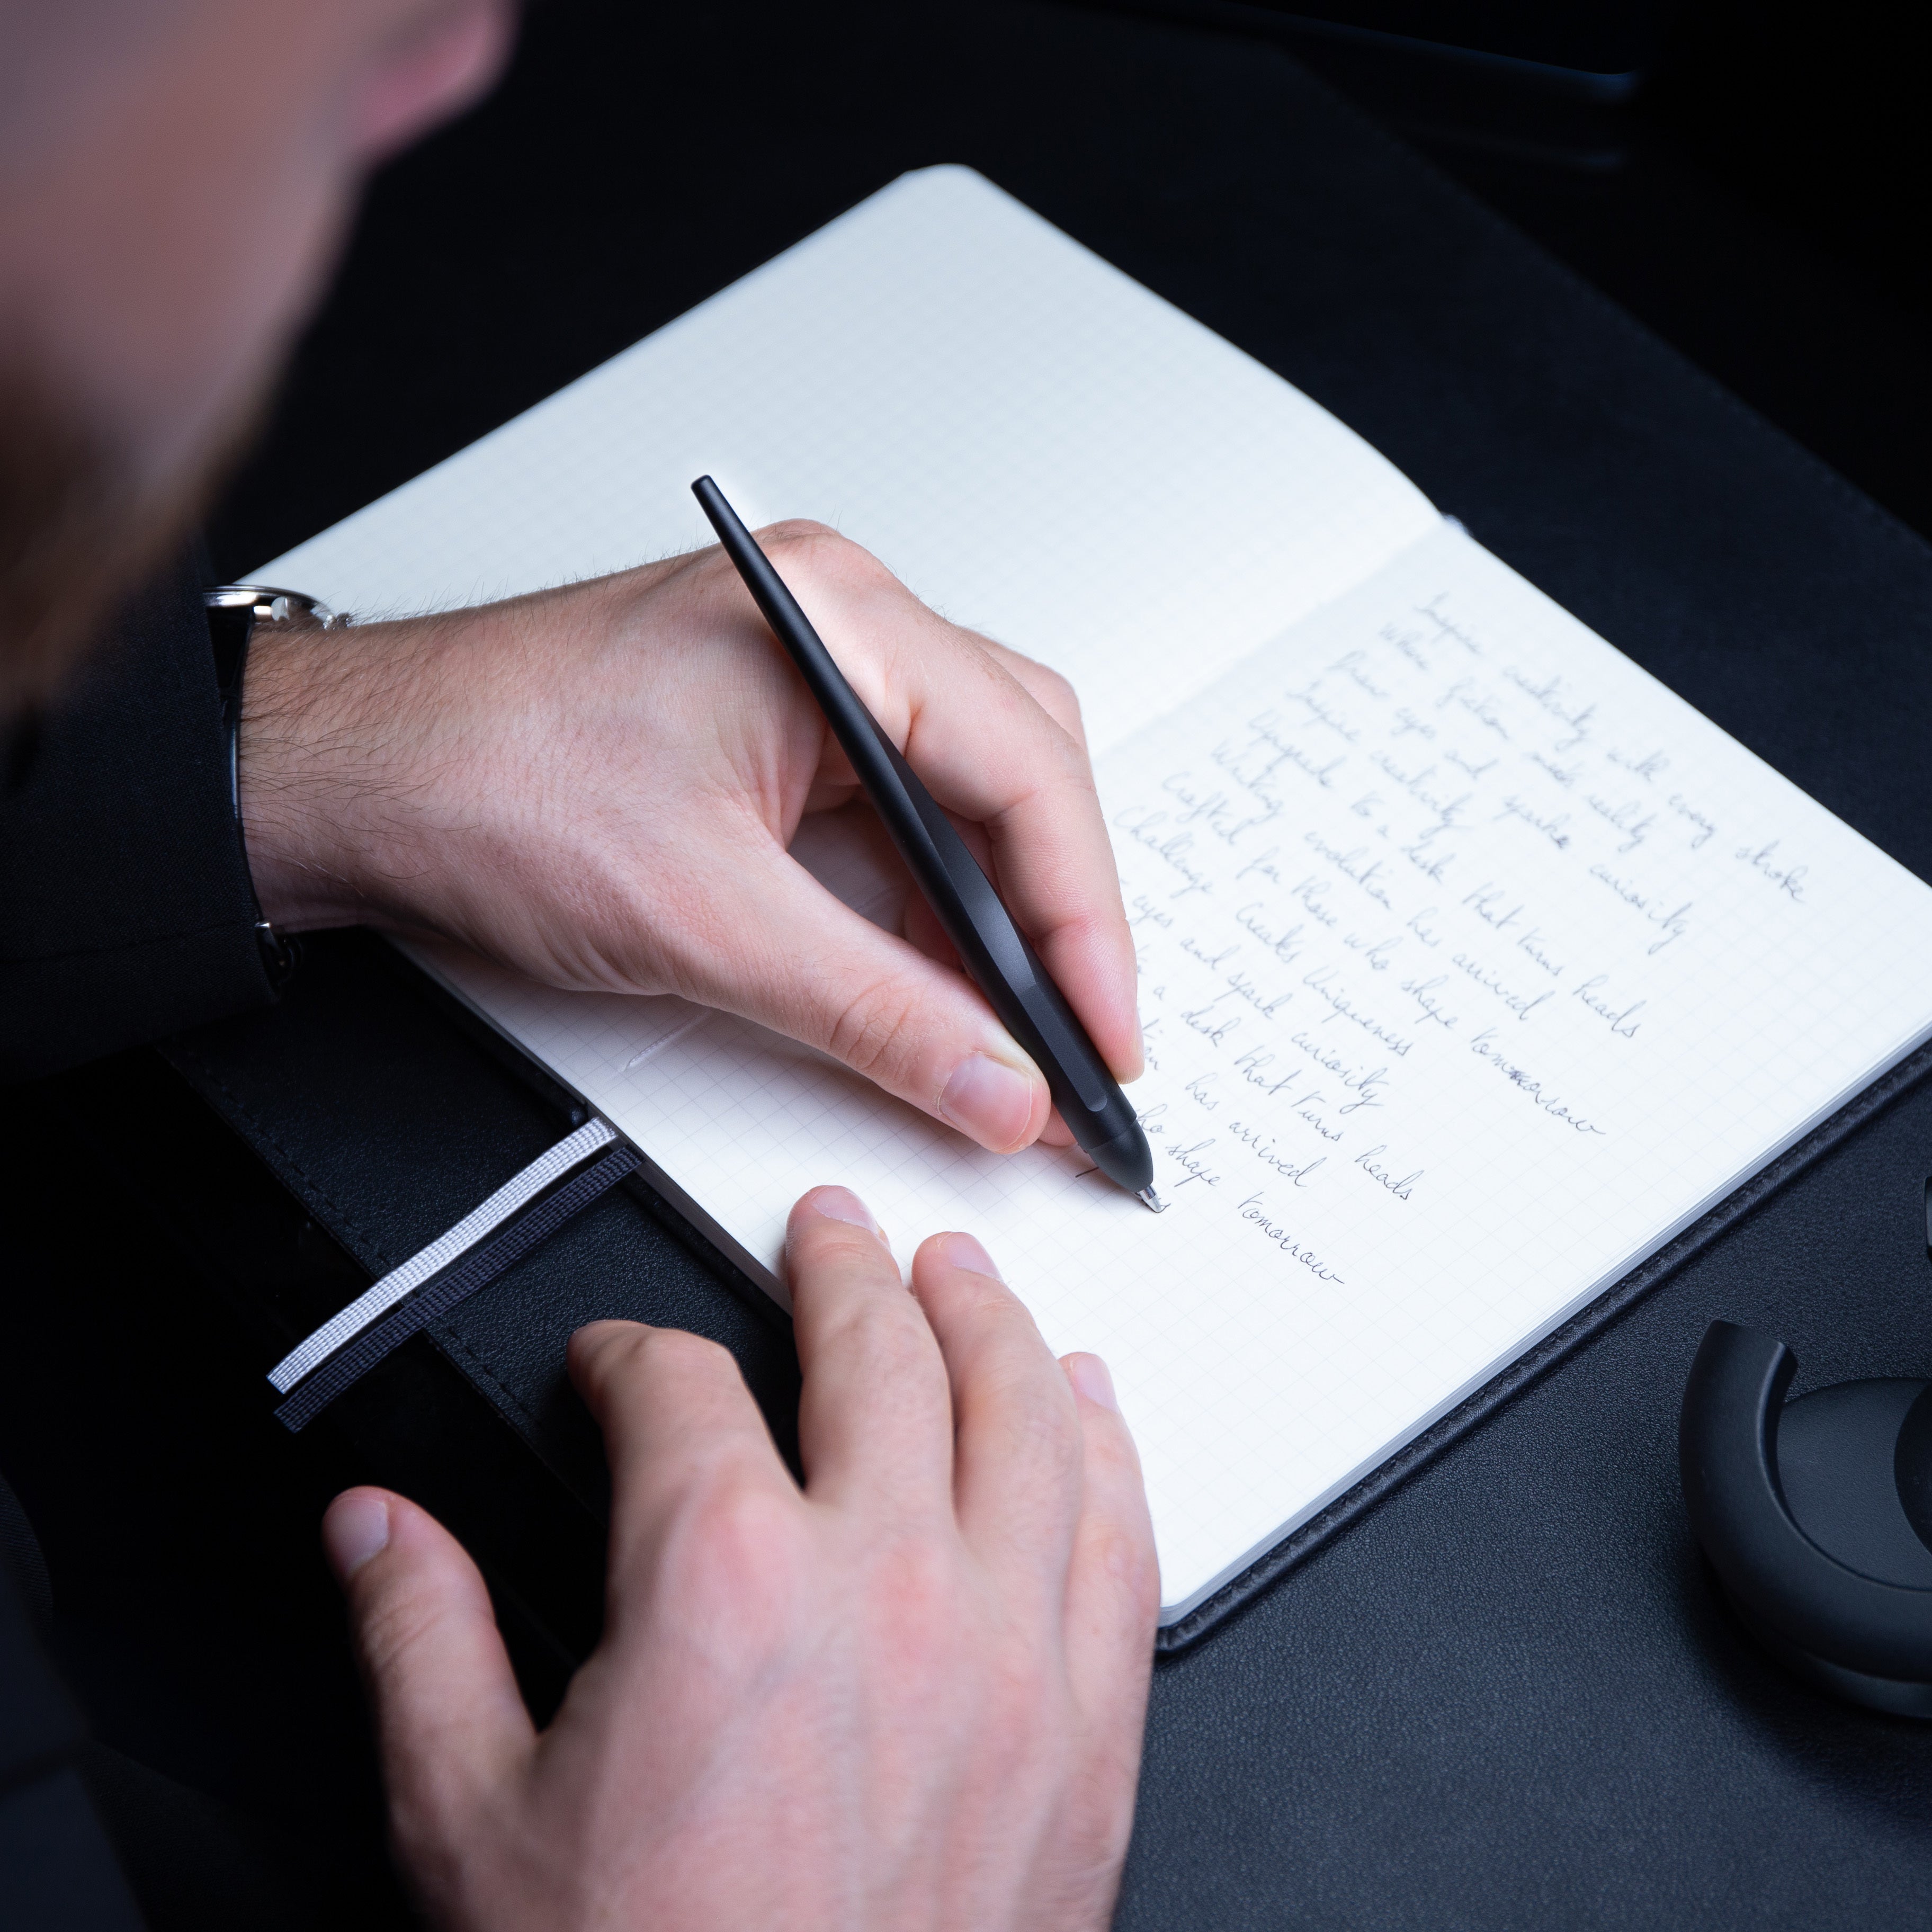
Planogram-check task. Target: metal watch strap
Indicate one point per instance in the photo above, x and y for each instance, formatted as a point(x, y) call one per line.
point(234, 610)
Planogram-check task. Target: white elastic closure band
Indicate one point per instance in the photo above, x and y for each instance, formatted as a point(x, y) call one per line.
point(378, 1299)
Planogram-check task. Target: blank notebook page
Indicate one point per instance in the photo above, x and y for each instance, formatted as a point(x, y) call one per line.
point(1474, 963)
point(1041, 448)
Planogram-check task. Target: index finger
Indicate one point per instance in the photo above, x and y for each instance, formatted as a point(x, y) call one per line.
point(1052, 693)
point(677, 1422)
point(874, 1417)
point(990, 751)
point(1017, 1449)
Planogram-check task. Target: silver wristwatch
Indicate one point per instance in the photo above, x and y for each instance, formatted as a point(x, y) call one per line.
point(233, 611)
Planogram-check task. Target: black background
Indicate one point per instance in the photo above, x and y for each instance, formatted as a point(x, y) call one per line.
point(1762, 195)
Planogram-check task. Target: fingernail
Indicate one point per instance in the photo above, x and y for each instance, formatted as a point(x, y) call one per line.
point(355, 1530)
point(1088, 1375)
point(962, 1251)
point(841, 1204)
point(992, 1101)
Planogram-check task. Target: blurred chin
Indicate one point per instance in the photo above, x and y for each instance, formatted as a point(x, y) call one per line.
point(78, 533)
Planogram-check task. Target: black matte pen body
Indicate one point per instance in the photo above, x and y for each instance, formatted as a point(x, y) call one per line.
point(992, 946)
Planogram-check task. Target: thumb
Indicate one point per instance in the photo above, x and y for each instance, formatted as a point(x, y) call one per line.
point(450, 1720)
point(915, 1026)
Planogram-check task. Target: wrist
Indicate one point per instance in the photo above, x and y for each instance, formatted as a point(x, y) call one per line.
point(318, 720)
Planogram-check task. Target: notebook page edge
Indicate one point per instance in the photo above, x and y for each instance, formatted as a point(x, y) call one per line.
point(720, 1237)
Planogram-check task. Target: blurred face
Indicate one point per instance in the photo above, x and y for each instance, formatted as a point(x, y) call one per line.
point(175, 176)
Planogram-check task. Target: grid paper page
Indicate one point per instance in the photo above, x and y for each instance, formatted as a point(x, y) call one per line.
point(1473, 964)
point(1038, 446)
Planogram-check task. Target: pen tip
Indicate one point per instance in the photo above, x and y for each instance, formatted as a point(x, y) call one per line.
point(1152, 1199)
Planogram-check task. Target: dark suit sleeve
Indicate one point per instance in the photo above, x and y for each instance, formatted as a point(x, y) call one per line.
point(126, 911)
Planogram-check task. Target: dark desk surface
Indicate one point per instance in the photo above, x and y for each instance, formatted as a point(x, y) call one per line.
point(1506, 1697)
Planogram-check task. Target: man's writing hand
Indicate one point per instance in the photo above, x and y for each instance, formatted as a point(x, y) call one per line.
point(597, 786)
point(911, 1694)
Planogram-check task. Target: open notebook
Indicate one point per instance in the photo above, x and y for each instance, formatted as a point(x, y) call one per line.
point(1475, 964)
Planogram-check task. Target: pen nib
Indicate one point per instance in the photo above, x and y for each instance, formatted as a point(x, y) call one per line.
point(1152, 1199)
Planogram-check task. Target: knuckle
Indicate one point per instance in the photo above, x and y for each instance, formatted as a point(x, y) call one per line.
point(645, 1357)
point(1123, 1555)
point(1111, 1457)
point(1069, 772)
point(1033, 1411)
point(613, 1353)
point(632, 1355)
point(1057, 693)
point(823, 552)
point(913, 1602)
point(883, 1338)
point(1092, 932)
point(677, 1352)
point(799, 533)
point(397, 1624)
point(746, 1529)
point(740, 1556)
point(1032, 1438)
point(872, 1032)
point(1043, 702)
point(1058, 783)
point(1043, 1423)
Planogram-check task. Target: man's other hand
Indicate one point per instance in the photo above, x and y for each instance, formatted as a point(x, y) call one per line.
point(909, 1694)
point(597, 786)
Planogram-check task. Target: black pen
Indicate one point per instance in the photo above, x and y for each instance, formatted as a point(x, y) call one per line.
point(982, 932)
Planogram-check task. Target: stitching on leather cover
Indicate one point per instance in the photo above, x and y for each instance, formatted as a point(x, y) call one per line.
point(452, 1342)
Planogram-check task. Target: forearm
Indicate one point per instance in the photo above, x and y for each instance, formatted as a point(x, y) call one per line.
point(331, 787)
